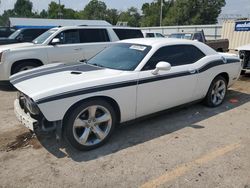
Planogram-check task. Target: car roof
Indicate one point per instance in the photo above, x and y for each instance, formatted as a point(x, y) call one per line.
point(158, 41)
point(83, 27)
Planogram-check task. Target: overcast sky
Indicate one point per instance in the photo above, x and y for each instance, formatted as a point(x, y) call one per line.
point(232, 7)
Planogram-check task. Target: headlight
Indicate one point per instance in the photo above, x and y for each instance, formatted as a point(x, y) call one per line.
point(1, 54)
point(31, 106)
point(28, 103)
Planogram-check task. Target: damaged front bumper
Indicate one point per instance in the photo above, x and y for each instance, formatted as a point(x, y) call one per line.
point(33, 124)
point(23, 117)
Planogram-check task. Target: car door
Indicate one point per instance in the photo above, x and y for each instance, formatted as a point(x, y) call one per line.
point(168, 88)
point(68, 50)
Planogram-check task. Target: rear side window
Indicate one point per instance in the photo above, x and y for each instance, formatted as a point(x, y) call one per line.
point(159, 35)
point(150, 35)
point(128, 33)
point(175, 55)
point(93, 35)
point(31, 34)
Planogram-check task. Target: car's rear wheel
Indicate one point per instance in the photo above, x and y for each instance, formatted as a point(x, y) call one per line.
point(90, 125)
point(243, 72)
point(217, 92)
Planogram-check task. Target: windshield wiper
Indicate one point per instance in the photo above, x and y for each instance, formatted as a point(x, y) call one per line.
point(98, 65)
point(94, 64)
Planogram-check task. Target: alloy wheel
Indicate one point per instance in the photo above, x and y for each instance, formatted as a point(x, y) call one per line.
point(92, 125)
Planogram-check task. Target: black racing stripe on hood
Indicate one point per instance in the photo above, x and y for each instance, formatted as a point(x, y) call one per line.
point(44, 69)
point(52, 70)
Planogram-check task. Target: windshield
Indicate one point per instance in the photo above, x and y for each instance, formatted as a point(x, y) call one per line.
point(121, 56)
point(44, 36)
point(181, 36)
point(15, 34)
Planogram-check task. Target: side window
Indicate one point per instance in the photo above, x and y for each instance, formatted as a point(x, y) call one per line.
point(93, 35)
point(159, 35)
point(69, 36)
point(150, 35)
point(39, 32)
point(27, 35)
point(31, 34)
point(197, 36)
point(175, 55)
point(128, 33)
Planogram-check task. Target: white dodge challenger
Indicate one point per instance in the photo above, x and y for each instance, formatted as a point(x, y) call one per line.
point(132, 78)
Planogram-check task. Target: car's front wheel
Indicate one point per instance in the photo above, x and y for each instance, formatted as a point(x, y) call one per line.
point(22, 66)
point(90, 125)
point(217, 92)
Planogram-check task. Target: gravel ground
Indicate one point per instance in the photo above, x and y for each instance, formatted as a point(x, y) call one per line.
point(194, 146)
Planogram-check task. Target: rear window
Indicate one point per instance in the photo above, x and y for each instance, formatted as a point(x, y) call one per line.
point(93, 35)
point(128, 33)
point(150, 35)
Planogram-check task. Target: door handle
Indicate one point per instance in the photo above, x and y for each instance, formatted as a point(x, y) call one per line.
point(77, 49)
point(192, 71)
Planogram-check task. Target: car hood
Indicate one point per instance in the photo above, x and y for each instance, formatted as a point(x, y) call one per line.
point(58, 78)
point(245, 47)
point(14, 46)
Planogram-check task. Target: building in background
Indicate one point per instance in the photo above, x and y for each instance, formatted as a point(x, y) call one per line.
point(49, 23)
point(237, 32)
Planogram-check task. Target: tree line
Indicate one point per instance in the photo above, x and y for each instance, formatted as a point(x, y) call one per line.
point(175, 12)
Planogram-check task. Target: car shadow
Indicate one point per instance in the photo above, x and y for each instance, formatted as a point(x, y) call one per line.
point(7, 86)
point(148, 129)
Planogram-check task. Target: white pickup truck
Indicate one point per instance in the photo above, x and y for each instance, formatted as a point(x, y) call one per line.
point(61, 44)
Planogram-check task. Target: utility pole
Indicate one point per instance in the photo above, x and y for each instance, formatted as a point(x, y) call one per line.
point(60, 14)
point(161, 13)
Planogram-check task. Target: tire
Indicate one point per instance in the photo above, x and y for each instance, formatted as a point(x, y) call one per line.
point(217, 92)
point(22, 66)
point(82, 129)
point(243, 72)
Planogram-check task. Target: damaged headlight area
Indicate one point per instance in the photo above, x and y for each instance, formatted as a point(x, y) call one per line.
point(28, 104)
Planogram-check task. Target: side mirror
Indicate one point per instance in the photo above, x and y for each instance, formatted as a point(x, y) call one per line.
point(55, 41)
point(164, 66)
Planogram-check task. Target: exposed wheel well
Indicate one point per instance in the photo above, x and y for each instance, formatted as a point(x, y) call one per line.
point(35, 61)
point(107, 99)
point(224, 75)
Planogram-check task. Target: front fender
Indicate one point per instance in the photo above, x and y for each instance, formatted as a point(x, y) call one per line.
point(124, 97)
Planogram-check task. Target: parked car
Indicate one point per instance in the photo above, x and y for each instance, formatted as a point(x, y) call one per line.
point(62, 44)
point(244, 54)
point(6, 31)
point(23, 35)
point(128, 80)
point(153, 35)
point(220, 45)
